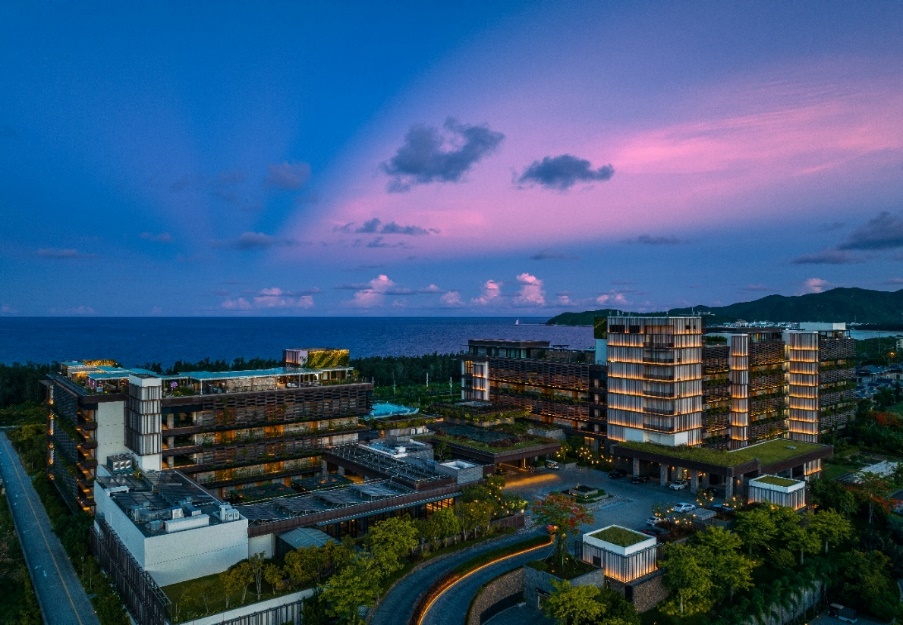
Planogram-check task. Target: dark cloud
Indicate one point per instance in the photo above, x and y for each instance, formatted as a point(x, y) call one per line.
point(563, 172)
point(63, 253)
point(831, 227)
point(883, 232)
point(376, 226)
point(894, 281)
point(162, 237)
point(251, 241)
point(380, 241)
point(756, 288)
point(827, 257)
point(414, 231)
point(430, 155)
point(648, 239)
point(547, 255)
point(288, 176)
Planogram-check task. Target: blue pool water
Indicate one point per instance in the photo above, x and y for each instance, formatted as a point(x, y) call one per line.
point(381, 411)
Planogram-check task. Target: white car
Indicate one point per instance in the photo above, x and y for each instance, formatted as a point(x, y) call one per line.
point(679, 485)
point(684, 507)
point(653, 521)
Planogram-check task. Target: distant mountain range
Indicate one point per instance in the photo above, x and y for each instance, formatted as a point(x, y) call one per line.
point(874, 308)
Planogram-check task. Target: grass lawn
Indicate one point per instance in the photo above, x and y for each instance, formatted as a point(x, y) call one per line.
point(833, 471)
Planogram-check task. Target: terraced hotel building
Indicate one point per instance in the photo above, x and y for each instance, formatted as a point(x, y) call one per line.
point(225, 430)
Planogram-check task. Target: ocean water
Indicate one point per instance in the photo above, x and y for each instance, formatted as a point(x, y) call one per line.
point(135, 341)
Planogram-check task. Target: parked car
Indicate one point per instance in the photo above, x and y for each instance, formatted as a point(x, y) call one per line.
point(617, 474)
point(551, 464)
point(679, 484)
point(684, 507)
point(653, 521)
point(639, 479)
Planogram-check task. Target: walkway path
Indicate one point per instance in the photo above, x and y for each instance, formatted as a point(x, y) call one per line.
point(62, 598)
point(396, 607)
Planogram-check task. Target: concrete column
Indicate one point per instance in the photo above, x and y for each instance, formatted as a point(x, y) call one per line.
point(694, 481)
point(636, 467)
point(341, 471)
point(324, 468)
point(663, 474)
point(728, 487)
point(170, 421)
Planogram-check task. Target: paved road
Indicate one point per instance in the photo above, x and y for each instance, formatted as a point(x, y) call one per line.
point(62, 598)
point(451, 607)
point(398, 605)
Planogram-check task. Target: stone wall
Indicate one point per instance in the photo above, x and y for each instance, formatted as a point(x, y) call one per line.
point(496, 594)
point(645, 593)
point(536, 581)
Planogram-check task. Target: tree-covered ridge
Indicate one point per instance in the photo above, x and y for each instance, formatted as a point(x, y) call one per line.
point(841, 304)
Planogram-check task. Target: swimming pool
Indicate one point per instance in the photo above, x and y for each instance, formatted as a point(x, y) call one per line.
point(386, 409)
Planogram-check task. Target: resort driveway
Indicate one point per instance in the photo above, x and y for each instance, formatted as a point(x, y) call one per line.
point(62, 598)
point(398, 604)
point(629, 507)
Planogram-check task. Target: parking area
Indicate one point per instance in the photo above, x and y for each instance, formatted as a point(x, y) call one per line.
point(631, 503)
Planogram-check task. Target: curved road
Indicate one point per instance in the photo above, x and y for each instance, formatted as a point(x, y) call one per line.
point(396, 607)
point(451, 607)
point(62, 598)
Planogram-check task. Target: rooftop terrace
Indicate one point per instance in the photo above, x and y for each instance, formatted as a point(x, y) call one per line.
point(767, 453)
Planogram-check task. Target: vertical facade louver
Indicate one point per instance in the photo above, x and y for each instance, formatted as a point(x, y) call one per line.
point(655, 380)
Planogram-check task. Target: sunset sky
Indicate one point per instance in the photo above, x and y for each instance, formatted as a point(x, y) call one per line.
point(466, 158)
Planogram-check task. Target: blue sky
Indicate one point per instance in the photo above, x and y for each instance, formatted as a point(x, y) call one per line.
point(500, 158)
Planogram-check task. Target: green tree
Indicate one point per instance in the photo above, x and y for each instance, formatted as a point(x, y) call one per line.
point(756, 529)
point(442, 524)
point(573, 605)
point(689, 579)
point(256, 566)
point(562, 516)
point(274, 576)
point(834, 495)
point(873, 488)
point(237, 579)
point(356, 585)
point(792, 533)
point(730, 569)
point(830, 527)
point(390, 541)
point(471, 515)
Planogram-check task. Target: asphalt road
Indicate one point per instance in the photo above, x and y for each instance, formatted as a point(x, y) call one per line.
point(451, 607)
point(62, 598)
point(398, 604)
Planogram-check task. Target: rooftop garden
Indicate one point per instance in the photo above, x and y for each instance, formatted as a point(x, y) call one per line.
point(620, 536)
point(774, 480)
point(768, 453)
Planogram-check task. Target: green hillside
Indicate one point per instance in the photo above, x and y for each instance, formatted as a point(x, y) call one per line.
point(842, 304)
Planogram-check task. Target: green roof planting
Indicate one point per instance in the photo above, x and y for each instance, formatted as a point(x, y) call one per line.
point(770, 452)
point(620, 536)
point(774, 480)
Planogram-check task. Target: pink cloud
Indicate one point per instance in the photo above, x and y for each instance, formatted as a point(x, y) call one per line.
point(531, 292)
point(374, 293)
point(452, 298)
point(815, 285)
point(491, 291)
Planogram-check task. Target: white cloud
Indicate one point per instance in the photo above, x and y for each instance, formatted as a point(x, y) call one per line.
point(238, 303)
point(613, 297)
point(491, 290)
point(374, 293)
point(452, 298)
point(6, 309)
point(277, 298)
point(815, 285)
point(531, 292)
